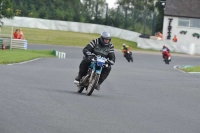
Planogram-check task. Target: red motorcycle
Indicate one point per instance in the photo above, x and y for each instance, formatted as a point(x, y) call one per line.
point(166, 56)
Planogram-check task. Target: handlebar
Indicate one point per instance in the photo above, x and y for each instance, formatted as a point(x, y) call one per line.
point(109, 61)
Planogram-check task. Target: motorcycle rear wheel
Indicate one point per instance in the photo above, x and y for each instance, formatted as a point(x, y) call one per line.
point(80, 87)
point(93, 84)
point(128, 57)
point(131, 58)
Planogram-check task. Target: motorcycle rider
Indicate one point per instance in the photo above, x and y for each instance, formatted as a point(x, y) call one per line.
point(99, 46)
point(125, 48)
point(168, 52)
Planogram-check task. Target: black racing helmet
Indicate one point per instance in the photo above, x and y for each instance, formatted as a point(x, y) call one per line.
point(105, 35)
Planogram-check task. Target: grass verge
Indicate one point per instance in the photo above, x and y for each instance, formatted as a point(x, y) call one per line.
point(65, 38)
point(15, 55)
point(54, 37)
point(191, 69)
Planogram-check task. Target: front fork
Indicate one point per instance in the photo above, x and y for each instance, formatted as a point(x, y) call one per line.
point(93, 71)
point(91, 76)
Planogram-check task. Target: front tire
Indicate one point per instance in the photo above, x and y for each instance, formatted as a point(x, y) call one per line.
point(80, 89)
point(93, 84)
point(166, 59)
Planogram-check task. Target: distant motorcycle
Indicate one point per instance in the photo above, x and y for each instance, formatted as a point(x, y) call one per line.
point(166, 56)
point(128, 54)
point(91, 79)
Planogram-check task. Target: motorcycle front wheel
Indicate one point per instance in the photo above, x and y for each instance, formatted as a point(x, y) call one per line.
point(166, 59)
point(93, 84)
point(80, 89)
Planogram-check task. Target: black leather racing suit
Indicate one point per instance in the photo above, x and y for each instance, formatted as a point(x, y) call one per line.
point(97, 48)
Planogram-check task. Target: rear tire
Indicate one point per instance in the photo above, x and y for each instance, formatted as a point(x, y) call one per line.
point(93, 84)
point(80, 87)
point(131, 58)
point(128, 57)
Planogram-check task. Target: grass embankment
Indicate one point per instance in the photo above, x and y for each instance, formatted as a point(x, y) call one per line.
point(54, 37)
point(66, 38)
point(191, 69)
point(15, 56)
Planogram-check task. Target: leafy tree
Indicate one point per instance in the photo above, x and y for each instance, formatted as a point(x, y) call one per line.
point(130, 14)
point(136, 15)
point(23, 7)
point(43, 12)
point(160, 16)
point(33, 12)
point(94, 10)
point(6, 9)
point(138, 4)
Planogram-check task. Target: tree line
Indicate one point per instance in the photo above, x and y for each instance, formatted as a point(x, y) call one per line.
point(135, 15)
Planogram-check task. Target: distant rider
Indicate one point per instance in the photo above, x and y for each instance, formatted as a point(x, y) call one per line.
point(99, 46)
point(168, 52)
point(124, 49)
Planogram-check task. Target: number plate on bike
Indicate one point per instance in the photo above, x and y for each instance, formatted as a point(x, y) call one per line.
point(100, 61)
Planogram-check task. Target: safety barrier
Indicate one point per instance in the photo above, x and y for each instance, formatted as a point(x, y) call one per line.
point(6, 42)
point(59, 54)
point(13, 43)
point(185, 46)
point(18, 44)
point(180, 47)
point(70, 26)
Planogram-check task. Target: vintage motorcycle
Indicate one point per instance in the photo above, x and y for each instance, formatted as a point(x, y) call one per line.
point(91, 79)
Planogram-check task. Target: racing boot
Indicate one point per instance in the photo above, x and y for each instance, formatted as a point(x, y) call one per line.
point(97, 87)
point(103, 76)
point(99, 83)
point(78, 78)
point(82, 72)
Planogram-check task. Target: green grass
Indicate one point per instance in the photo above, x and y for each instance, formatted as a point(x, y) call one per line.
point(54, 37)
point(66, 38)
point(191, 69)
point(15, 56)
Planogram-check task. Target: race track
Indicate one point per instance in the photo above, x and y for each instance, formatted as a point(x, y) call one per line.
point(145, 96)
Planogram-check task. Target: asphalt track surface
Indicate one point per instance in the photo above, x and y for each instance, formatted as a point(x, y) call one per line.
point(146, 96)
